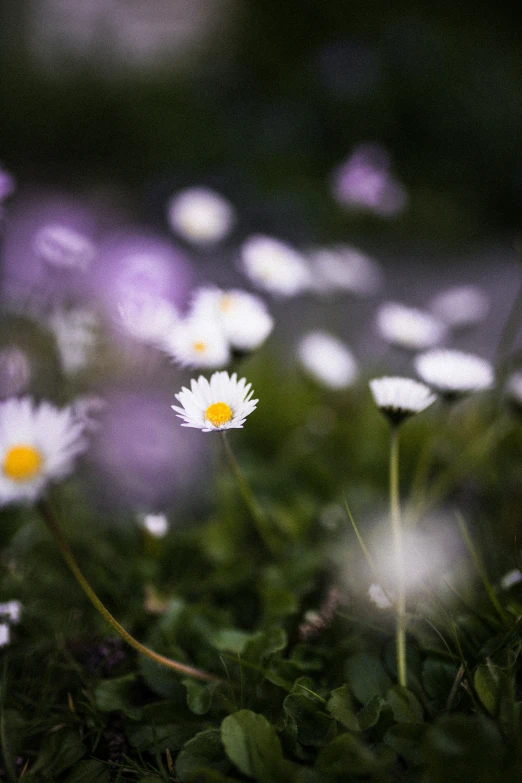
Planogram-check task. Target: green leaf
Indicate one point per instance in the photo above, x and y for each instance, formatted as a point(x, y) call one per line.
point(367, 677)
point(370, 713)
point(263, 644)
point(231, 640)
point(59, 751)
point(199, 696)
point(91, 771)
point(340, 706)
point(203, 753)
point(114, 696)
point(307, 721)
point(253, 746)
point(405, 706)
point(172, 736)
point(345, 755)
point(438, 678)
point(406, 739)
point(487, 684)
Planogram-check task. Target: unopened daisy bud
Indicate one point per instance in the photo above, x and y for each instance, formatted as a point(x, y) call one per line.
point(275, 266)
point(198, 342)
point(379, 597)
point(243, 317)
point(12, 610)
point(155, 524)
point(219, 404)
point(328, 360)
point(344, 268)
point(454, 373)
point(61, 246)
point(38, 445)
point(399, 398)
point(461, 306)
point(200, 215)
point(408, 327)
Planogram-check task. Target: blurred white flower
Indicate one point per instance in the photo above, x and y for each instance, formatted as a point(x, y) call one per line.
point(156, 524)
point(379, 597)
point(15, 371)
point(200, 215)
point(454, 372)
point(5, 634)
point(243, 317)
point(87, 410)
point(344, 268)
point(61, 246)
point(328, 360)
point(461, 306)
point(75, 333)
point(514, 390)
point(38, 444)
point(408, 327)
point(148, 318)
point(364, 183)
point(12, 610)
point(399, 398)
point(221, 404)
point(512, 578)
point(275, 266)
point(197, 342)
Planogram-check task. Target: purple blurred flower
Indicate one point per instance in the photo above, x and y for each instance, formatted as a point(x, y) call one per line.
point(364, 183)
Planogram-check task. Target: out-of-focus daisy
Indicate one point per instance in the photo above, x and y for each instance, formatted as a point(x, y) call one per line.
point(148, 318)
point(275, 266)
point(344, 268)
point(454, 372)
point(219, 404)
point(511, 579)
point(379, 597)
point(75, 333)
point(15, 371)
point(5, 634)
point(200, 215)
point(328, 360)
point(408, 327)
point(12, 610)
point(399, 398)
point(61, 246)
point(155, 524)
point(38, 444)
point(364, 183)
point(243, 317)
point(197, 342)
point(461, 306)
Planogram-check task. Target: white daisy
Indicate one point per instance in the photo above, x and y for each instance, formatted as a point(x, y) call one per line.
point(201, 215)
point(344, 268)
point(197, 342)
point(155, 524)
point(408, 327)
point(511, 579)
point(244, 318)
point(221, 404)
point(328, 360)
point(461, 306)
point(5, 634)
point(398, 398)
point(12, 610)
point(75, 333)
point(454, 372)
point(61, 246)
point(38, 444)
point(275, 266)
point(148, 318)
point(379, 597)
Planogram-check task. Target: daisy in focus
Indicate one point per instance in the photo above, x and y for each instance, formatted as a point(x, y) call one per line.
point(243, 317)
point(399, 398)
point(38, 445)
point(454, 373)
point(275, 266)
point(222, 403)
point(408, 327)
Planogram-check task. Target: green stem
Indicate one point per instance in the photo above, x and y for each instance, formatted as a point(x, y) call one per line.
point(398, 545)
point(260, 520)
point(53, 525)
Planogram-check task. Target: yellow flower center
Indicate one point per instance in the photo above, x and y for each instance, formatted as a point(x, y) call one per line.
point(218, 413)
point(225, 303)
point(22, 463)
point(199, 347)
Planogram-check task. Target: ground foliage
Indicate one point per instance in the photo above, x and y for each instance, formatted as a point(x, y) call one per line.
point(305, 698)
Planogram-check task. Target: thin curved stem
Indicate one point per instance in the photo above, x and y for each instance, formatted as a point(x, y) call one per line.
point(261, 522)
point(53, 525)
point(398, 545)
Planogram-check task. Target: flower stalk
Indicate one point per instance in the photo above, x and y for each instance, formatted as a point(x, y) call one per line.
point(53, 525)
point(398, 545)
